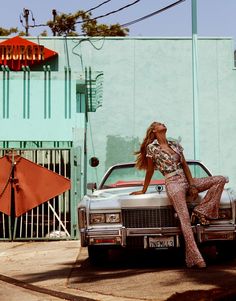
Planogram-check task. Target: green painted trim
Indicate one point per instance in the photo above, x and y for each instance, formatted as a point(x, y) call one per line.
point(3, 92)
point(45, 92)
point(69, 91)
point(24, 92)
point(8, 93)
point(75, 192)
point(65, 87)
point(49, 92)
point(90, 90)
point(28, 92)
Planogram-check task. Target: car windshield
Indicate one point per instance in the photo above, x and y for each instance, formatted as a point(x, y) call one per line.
point(127, 175)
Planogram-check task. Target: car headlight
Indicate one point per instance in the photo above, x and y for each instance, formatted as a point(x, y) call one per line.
point(101, 218)
point(97, 218)
point(112, 217)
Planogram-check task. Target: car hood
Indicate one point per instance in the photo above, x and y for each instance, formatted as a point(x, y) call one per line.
point(118, 198)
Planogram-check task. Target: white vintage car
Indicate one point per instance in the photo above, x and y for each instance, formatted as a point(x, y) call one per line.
point(110, 217)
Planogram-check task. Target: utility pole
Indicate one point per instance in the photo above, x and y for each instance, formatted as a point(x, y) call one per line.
point(26, 16)
point(54, 13)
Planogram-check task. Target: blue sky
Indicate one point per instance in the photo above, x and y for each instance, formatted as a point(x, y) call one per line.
point(215, 17)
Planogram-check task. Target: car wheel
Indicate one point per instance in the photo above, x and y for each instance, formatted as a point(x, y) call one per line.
point(98, 254)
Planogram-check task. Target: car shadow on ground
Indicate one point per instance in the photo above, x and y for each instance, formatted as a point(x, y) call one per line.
point(166, 268)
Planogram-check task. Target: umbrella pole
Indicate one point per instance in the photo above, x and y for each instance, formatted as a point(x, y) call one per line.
point(12, 196)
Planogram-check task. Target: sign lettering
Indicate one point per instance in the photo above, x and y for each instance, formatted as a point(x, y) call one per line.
point(18, 52)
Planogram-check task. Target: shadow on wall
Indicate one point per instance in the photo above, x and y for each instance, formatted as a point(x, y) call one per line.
point(120, 149)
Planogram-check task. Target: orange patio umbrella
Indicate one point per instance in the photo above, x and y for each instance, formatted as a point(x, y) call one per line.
point(32, 184)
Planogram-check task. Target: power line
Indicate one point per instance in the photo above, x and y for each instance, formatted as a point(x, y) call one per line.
point(98, 17)
point(98, 6)
point(110, 13)
point(152, 14)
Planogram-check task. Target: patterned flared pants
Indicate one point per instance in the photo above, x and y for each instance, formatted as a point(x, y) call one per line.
point(177, 187)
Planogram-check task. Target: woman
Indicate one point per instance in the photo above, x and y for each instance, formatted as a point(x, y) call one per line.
point(156, 152)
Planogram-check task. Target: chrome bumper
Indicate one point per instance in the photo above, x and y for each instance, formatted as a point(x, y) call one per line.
point(118, 236)
point(215, 232)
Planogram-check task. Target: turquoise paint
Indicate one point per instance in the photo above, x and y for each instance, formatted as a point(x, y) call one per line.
point(145, 79)
point(24, 92)
point(49, 91)
point(3, 93)
point(45, 92)
point(76, 188)
point(7, 92)
point(69, 92)
point(66, 93)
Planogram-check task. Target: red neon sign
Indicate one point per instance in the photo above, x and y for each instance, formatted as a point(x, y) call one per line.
point(17, 52)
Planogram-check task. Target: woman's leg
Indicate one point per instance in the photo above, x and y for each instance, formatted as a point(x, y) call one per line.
point(177, 194)
point(210, 204)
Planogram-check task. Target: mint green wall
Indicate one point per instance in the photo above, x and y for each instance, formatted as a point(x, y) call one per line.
point(52, 128)
point(145, 79)
point(151, 79)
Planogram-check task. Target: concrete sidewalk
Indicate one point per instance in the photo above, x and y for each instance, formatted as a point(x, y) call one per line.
point(44, 267)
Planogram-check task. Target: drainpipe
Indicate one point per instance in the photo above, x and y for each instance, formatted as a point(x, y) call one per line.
point(195, 81)
point(85, 131)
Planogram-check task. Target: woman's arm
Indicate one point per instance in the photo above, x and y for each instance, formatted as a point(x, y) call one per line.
point(148, 176)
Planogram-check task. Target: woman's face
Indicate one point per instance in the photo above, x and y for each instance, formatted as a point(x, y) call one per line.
point(159, 127)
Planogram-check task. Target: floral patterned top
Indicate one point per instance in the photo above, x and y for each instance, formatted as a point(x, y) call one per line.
point(164, 161)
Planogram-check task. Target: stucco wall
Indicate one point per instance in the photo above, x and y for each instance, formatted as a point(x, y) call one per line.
point(145, 79)
point(151, 79)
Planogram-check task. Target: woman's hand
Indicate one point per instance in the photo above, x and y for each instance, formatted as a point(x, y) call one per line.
point(148, 176)
point(193, 192)
point(137, 192)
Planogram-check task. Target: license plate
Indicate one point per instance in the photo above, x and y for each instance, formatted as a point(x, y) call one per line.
point(161, 242)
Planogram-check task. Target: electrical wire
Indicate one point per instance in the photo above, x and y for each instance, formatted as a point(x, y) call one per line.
point(98, 17)
point(152, 14)
point(98, 6)
point(122, 8)
point(110, 13)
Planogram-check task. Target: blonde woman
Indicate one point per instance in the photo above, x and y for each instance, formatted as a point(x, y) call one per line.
point(156, 152)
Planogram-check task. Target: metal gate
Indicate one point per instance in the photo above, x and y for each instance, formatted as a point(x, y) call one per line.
point(56, 218)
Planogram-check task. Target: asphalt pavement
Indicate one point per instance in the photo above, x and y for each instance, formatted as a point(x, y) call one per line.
point(43, 269)
point(59, 270)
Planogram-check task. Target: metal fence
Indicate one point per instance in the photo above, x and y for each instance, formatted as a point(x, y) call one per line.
point(56, 218)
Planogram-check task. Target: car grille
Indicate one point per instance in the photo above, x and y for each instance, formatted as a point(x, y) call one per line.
point(149, 218)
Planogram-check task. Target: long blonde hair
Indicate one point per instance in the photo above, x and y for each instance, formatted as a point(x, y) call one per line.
point(141, 160)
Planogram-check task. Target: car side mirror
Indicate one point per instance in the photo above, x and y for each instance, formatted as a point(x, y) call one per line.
point(92, 186)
